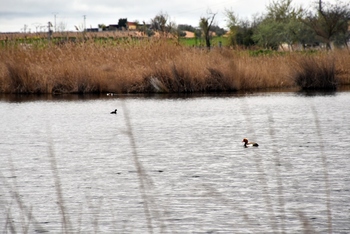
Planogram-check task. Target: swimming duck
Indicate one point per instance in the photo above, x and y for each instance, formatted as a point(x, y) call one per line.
point(247, 144)
point(114, 112)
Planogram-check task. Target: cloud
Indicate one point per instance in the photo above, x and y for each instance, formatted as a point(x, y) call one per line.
point(15, 13)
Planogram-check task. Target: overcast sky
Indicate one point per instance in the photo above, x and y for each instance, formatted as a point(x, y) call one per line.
point(15, 14)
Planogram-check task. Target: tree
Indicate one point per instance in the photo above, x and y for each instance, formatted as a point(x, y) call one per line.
point(282, 11)
point(102, 26)
point(233, 25)
point(245, 33)
point(269, 34)
point(343, 38)
point(217, 30)
point(279, 25)
point(145, 29)
point(205, 24)
point(330, 22)
point(137, 22)
point(123, 23)
point(302, 34)
point(159, 23)
point(240, 31)
point(174, 30)
point(186, 27)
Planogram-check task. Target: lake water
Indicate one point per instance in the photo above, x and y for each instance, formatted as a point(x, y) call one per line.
point(175, 164)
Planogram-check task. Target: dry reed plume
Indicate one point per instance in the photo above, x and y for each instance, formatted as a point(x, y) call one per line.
point(159, 66)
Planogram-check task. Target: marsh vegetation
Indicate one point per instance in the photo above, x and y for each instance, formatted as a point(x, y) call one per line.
point(158, 65)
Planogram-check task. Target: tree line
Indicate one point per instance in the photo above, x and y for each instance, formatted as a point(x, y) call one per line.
point(283, 23)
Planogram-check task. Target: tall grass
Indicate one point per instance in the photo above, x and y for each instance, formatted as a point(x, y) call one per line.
point(315, 73)
point(158, 66)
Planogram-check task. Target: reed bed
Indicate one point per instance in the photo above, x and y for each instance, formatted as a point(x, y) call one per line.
point(43, 36)
point(143, 65)
point(316, 73)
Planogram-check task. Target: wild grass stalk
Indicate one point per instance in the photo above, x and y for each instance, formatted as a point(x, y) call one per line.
point(131, 65)
point(325, 170)
point(154, 211)
point(141, 174)
point(261, 176)
point(25, 212)
point(66, 224)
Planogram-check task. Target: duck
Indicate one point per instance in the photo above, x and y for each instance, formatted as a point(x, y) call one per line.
point(114, 112)
point(247, 143)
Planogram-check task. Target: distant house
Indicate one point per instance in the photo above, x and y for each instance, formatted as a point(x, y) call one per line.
point(92, 29)
point(112, 27)
point(132, 25)
point(115, 27)
point(189, 34)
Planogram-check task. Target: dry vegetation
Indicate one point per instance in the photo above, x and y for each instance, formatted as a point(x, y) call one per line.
point(161, 66)
point(69, 34)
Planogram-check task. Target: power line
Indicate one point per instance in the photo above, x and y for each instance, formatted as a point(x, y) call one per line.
point(207, 7)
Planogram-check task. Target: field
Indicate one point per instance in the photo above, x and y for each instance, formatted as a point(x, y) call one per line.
point(80, 63)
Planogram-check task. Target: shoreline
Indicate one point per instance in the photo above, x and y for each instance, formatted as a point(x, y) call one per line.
point(15, 97)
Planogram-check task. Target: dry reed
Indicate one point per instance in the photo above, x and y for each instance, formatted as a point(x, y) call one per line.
point(315, 73)
point(156, 66)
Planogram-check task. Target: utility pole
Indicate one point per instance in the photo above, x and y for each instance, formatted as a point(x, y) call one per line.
point(55, 14)
point(84, 23)
point(320, 5)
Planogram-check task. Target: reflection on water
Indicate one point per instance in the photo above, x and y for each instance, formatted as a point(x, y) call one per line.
point(175, 164)
point(308, 93)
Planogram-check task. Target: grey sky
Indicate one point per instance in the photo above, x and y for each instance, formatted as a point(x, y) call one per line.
point(14, 14)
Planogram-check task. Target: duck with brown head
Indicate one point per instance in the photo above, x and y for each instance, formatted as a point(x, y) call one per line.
point(248, 144)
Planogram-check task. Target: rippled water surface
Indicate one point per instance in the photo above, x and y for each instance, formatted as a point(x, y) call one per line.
point(176, 164)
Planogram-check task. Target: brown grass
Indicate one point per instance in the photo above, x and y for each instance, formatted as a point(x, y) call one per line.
point(156, 66)
point(315, 73)
point(9, 37)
